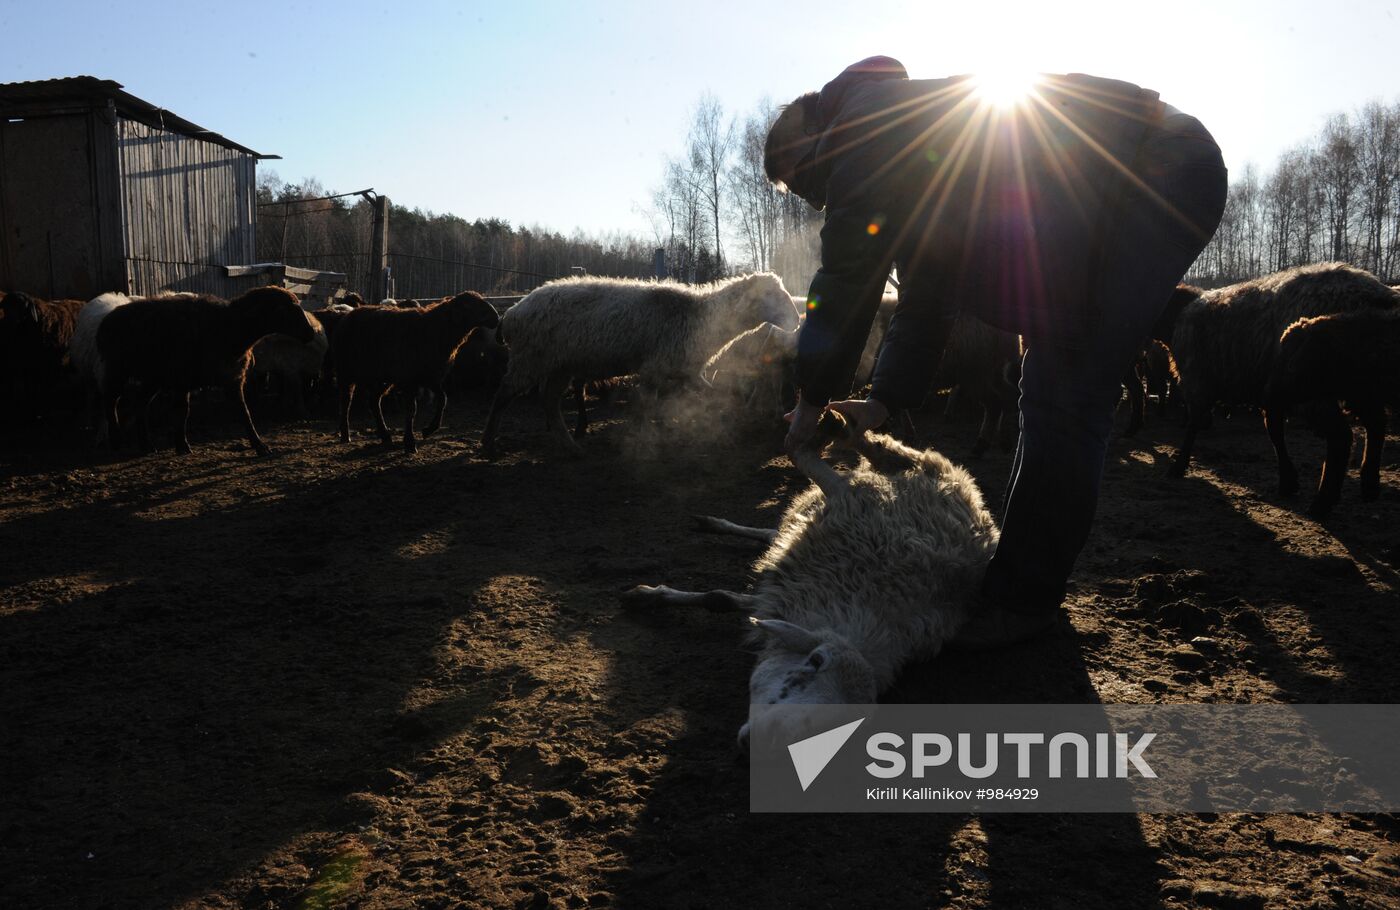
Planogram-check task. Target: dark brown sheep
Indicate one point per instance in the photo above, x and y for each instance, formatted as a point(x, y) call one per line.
point(1150, 374)
point(1225, 341)
point(385, 347)
point(1353, 358)
point(186, 342)
point(34, 339)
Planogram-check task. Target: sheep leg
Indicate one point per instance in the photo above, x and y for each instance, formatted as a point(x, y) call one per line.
point(552, 400)
point(1332, 424)
point(347, 395)
point(713, 525)
point(1008, 429)
point(110, 423)
point(581, 424)
point(809, 461)
point(1195, 421)
point(298, 395)
point(1373, 420)
point(410, 445)
point(182, 425)
point(716, 601)
point(385, 434)
point(1137, 400)
point(504, 396)
point(1274, 422)
point(143, 418)
point(991, 418)
point(439, 406)
point(254, 440)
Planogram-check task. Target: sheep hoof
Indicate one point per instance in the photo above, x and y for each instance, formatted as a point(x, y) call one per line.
point(572, 450)
point(1176, 469)
point(264, 452)
point(1321, 508)
point(1288, 487)
point(1370, 489)
point(639, 595)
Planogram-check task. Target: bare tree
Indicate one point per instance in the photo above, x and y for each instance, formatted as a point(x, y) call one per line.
point(756, 204)
point(1338, 176)
point(1378, 159)
point(710, 144)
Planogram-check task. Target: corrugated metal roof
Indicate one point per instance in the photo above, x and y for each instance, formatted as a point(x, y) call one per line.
point(34, 98)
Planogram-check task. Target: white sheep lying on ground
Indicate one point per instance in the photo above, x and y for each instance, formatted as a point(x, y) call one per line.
point(599, 328)
point(866, 572)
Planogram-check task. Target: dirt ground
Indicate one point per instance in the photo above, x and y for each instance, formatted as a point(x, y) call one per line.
point(345, 677)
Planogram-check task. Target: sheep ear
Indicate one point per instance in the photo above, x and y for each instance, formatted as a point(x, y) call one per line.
point(791, 637)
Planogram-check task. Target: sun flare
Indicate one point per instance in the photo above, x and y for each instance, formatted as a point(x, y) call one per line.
point(1004, 87)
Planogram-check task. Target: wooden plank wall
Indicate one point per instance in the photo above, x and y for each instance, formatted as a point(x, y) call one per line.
point(49, 226)
point(187, 210)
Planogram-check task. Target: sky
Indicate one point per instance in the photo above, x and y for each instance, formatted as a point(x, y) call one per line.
point(561, 115)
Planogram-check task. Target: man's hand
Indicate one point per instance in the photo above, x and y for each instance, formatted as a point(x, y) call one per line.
point(861, 415)
point(802, 422)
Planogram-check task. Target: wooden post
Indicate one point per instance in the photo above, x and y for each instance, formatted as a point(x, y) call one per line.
point(658, 262)
point(379, 251)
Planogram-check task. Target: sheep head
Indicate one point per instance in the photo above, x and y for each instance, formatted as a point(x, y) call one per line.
point(1166, 322)
point(467, 311)
point(274, 311)
point(774, 302)
point(802, 667)
point(18, 309)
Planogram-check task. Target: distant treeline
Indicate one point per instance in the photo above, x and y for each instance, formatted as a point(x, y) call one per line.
point(1336, 196)
point(430, 255)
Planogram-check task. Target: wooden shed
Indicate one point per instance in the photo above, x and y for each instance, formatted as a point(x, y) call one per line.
point(102, 191)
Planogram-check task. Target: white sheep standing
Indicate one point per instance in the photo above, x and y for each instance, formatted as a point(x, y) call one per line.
point(753, 365)
point(866, 572)
point(83, 348)
point(980, 362)
point(83, 352)
point(587, 329)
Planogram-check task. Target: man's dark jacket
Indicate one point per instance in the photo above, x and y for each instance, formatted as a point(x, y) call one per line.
point(999, 212)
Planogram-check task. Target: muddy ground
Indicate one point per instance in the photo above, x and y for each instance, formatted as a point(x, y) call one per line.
point(347, 677)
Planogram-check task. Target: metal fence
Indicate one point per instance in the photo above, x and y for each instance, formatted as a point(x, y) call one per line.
point(427, 277)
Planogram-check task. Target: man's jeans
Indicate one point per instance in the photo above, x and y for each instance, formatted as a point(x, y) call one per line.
point(1071, 383)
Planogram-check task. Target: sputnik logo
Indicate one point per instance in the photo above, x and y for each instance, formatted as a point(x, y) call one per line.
point(810, 756)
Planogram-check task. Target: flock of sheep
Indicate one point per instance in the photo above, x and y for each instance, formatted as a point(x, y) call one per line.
point(1311, 341)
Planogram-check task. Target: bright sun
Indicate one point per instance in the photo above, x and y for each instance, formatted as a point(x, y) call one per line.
point(1004, 87)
